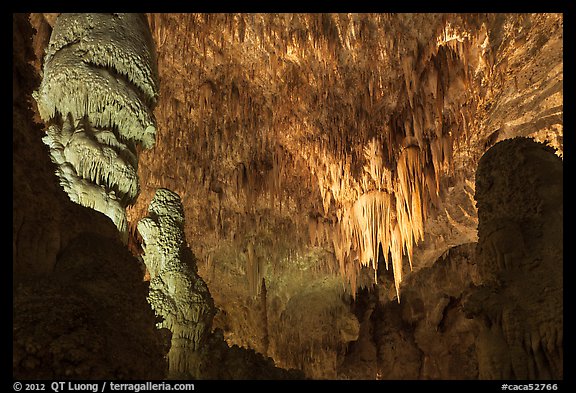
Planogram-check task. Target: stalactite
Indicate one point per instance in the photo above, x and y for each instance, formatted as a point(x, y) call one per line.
point(253, 272)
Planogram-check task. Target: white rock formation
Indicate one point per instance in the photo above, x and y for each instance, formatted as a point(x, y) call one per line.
point(177, 293)
point(96, 97)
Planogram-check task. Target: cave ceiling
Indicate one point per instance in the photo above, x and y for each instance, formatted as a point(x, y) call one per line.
point(279, 129)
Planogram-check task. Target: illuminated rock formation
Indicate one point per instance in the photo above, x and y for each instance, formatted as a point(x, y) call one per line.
point(288, 131)
point(519, 189)
point(96, 97)
point(321, 159)
point(177, 294)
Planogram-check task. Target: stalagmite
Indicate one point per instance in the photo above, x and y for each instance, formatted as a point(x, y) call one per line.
point(177, 293)
point(521, 296)
point(97, 94)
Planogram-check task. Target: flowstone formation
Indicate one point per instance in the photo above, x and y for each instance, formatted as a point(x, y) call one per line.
point(177, 293)
point(96, 97)
point(519, 190)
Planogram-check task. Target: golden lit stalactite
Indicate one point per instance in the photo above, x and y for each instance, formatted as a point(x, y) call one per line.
point(307, 118)
point(417, 151)
point(409, 195)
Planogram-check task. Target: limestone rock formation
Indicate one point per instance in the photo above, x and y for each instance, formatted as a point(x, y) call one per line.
point(326, 165)
point(425, 336)
point(289, 132)
point(519, 189)
point(79, 308)
point(313, 330)
point(177, 294)
point(486, 310)
point(98, 89)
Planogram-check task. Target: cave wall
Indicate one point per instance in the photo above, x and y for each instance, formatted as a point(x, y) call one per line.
point(425, 336)
point(279, 124)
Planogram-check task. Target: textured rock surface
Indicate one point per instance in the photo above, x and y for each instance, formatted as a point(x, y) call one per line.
point(281, 124)
point(43, 221)
point(519, 189)
point(80, 309)
point(177, 294)
point(487, 310)
point(426, 336)
point(98, 88)
point(180, 297)
point(88, 319)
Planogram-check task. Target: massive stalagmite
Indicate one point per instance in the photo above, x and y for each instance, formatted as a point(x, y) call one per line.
point(96, 97)
point(519, 189)
point(177, 293)
point(180, 297)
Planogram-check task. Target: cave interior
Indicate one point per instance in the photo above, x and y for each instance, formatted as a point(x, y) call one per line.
point(271, 196)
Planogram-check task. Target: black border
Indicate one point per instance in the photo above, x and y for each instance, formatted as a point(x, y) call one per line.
point(566, 7)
